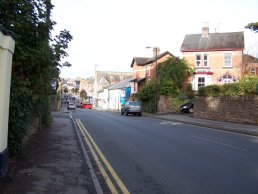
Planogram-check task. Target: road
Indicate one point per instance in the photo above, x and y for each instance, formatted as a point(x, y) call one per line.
point(157, 156)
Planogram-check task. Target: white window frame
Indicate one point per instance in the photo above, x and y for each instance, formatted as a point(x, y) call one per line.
point(206, 62)
point(227, 61)
point(201, 83)
point(148, 70)
point(227, 78)
point(198, 61)
point(253, 71)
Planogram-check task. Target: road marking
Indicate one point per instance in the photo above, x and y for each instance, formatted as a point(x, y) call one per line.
point(102, 170)
point(170, 123)
point(217, 142)
point(103, 158)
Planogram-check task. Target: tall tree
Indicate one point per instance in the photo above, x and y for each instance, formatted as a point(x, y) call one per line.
point(252, 26)
point(36, 62)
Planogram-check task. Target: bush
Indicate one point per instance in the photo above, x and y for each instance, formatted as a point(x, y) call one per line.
point(248, 85)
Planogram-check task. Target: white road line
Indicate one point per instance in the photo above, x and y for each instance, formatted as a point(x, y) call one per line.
point(217, 142)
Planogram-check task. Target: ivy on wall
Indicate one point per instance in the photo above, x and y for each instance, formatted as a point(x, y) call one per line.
point(36, 63)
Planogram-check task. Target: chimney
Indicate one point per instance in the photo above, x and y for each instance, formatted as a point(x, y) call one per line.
point(156, 51)
point(205, 30)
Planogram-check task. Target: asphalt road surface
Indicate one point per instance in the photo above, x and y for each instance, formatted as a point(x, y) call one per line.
point(153, 156)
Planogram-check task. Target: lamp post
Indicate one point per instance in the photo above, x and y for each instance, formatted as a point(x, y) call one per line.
point(156, 63)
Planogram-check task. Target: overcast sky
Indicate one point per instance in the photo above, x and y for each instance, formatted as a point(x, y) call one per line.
point(109, 33)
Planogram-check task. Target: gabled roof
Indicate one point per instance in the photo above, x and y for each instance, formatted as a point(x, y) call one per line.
point(214, 41)
point(141, 61)
point(116, 75)
point(249, 59)
point(121, 85)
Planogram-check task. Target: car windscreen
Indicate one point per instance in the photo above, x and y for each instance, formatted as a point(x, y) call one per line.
point(134, 104)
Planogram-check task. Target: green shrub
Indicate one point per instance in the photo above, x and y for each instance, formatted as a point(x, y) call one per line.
point(231, 89)
point(248, 85)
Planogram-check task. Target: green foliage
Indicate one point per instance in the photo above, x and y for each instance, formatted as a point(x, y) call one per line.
point(148, 96)
point(248, 85)
point(177, 102)
point(171, 74)
point(36, 62)
point(174, 69)
point(252, 26)
point(83, 95)
point(168, 88)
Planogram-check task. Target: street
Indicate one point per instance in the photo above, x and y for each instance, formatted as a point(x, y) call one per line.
point(156, 156)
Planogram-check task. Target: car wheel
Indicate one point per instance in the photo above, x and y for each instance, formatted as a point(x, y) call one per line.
point(191, 110)
point(140, 114)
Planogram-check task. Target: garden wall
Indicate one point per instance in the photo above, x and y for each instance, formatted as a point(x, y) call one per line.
point(237, 109)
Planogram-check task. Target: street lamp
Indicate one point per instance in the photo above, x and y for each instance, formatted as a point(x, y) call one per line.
point(156, 63)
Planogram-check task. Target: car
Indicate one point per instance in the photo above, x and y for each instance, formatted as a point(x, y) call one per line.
point(132, 107)
point(187, 107)
point(86, 106)
point(71, 106)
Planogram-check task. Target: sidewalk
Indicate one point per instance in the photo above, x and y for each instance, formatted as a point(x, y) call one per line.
point(53, 163)
point(226, 126)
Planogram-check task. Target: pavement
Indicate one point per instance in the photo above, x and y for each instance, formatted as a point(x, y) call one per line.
point(54, 161)
point(189, 119)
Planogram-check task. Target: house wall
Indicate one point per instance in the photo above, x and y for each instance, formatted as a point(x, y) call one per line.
point(216, 65)
point(238, 109)
point(114, 99)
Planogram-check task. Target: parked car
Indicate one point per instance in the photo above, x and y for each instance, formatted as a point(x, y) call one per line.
point(187, 107)
point(132, 107)
point(86, 106)
point(71, 106)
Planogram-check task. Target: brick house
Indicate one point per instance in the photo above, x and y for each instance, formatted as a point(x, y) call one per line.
point(144, 69)
point(250, 65)
point(216, 58)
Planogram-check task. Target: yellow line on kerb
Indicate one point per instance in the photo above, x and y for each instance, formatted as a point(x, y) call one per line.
point(109, 167)
point(102, 170)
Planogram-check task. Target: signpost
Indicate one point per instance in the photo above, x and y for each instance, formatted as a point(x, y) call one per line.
point(7, 44)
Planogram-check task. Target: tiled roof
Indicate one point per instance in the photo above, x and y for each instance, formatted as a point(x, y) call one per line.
point(141, 61)
point(116, 75)
point(249, 59)
point(121, 85)
point(214, 41)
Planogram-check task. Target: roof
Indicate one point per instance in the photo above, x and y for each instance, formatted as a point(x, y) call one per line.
point(121, 85)
point(215, 41)
point(141, 61)
point(249, 59)
point(116, 75)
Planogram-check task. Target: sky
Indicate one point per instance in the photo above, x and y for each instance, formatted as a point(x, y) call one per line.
point(107, 34)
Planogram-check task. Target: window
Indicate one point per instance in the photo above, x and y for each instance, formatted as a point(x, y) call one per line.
point(253, 70)
point(201, 81)
point(227, 78)
point(227, 60)
point(206, 60)
point(148, 70)
point(198, 60)
point(121, 78)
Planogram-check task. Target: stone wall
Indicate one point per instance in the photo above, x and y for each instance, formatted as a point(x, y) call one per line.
point(237, 109)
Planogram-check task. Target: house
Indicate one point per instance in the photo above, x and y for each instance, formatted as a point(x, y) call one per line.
point(250, 64)
point(144, 69)
point(104, 80)
point(216, 58)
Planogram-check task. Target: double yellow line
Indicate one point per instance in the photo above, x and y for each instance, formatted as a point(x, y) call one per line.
point(96, 153)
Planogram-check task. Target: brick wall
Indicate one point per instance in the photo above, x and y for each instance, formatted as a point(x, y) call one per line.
point(238, 109)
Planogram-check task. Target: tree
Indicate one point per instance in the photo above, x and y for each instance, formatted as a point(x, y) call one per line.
point(83, 95)
point(171, 75)
point(252, 26)
point(36, 63)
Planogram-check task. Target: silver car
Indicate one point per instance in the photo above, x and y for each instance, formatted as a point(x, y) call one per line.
point(132, 107)
point(71, 106)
